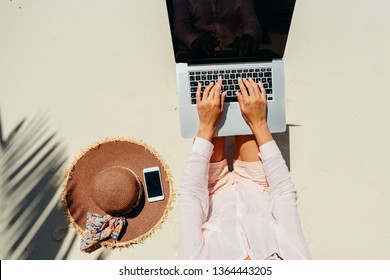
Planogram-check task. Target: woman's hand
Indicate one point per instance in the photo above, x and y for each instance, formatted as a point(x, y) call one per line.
point(253, 105)
point(210, 108)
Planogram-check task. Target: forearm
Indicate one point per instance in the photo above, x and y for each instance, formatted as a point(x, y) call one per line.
point(284, 201)
point(194, 183)
point(194, 197)
point(281, 188)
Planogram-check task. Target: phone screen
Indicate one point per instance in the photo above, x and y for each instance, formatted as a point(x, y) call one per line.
point(153, 183)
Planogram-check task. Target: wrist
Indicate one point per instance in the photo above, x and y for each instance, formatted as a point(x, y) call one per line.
point(261, 133)
point(206, 132)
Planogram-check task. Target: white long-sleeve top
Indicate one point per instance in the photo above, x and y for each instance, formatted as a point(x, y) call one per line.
point(239, 214)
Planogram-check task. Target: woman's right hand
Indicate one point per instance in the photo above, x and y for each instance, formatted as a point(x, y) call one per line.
point(210, 105)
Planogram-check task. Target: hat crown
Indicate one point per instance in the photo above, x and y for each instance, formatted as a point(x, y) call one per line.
point(116, 190)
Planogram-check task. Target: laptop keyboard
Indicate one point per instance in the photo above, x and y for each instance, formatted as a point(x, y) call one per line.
point(230, 81)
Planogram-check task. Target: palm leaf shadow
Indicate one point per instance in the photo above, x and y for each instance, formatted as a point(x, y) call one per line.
point(32, 220)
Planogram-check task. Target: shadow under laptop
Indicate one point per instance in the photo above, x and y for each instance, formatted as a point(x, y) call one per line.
point(281, 139)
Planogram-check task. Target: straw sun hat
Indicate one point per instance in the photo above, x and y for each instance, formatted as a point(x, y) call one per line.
point(104, 197)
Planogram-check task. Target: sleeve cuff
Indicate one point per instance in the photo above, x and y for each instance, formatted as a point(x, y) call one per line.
point(269, 150)
point(203, 147)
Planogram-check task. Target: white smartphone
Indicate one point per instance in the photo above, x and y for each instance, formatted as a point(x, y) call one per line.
point(153, 184)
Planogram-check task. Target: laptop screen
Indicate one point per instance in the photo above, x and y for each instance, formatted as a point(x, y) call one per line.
point(210, 31)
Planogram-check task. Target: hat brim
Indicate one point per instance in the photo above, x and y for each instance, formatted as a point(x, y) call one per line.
point(126, 152)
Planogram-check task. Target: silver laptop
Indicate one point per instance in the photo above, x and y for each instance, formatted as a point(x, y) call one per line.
point(231, 39)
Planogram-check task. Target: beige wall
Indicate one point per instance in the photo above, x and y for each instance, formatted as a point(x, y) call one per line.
point(89, 66)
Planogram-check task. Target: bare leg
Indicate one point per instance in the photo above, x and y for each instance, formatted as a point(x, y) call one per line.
point(246, 148)
point(219, 149)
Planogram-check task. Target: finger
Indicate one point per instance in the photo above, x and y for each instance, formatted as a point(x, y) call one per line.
point(241, 102)
point(207, 91)
point(198, 93)
point(244, 92)
point(239, 97)
point(223, 95)
point(217, 88)
point(256, 88)
point(249, 87)
point(263, 92)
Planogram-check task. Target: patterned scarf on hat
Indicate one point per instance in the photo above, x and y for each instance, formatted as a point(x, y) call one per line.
point(100, 228)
